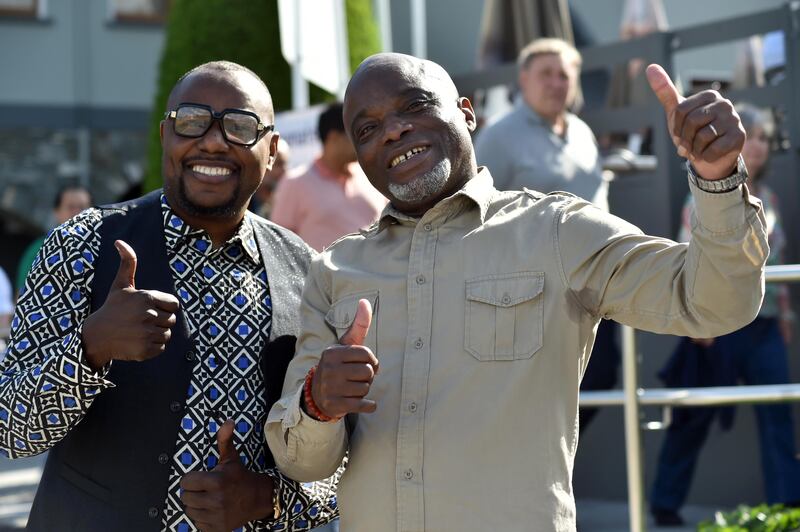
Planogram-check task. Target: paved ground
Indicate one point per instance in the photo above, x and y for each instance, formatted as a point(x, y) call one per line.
point(18, 480)
point(612, 516)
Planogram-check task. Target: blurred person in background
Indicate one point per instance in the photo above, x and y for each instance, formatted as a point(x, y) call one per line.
point(70, 200)
point(628, 86)
point(332, 197)
point(262, 200)
point(540, 143)
point(755, 354)
point(542, 146)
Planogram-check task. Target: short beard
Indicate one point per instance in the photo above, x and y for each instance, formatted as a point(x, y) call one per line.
point(226, 210)
point(425, 186)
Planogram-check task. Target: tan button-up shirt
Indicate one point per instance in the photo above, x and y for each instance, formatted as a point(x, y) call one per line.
point(485, 313)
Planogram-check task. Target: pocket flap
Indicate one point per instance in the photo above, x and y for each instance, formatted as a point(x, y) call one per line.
point(343, 311)
point(505, 290)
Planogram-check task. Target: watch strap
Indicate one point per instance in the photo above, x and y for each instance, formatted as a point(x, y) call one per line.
point(719, 186)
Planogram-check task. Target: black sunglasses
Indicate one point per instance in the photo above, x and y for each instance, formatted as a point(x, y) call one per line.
point(241, 127)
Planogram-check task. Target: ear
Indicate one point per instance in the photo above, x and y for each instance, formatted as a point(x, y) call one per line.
point(161, 131)
point(469, 113)
point(273, 149)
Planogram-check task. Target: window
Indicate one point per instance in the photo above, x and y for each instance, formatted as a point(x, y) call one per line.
point(149, 11)
point(22, 8)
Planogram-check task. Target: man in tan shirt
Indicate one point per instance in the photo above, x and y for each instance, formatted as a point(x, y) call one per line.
point(482, 307)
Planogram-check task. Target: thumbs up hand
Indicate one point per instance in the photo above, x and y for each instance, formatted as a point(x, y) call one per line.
point(228, 496)
point(345, 372)
point(704, 127)
point(132, 324)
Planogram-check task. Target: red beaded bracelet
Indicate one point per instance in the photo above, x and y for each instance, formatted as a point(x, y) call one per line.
point(311, 407)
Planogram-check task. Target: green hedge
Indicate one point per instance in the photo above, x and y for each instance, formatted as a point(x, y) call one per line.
point(246, 32)
point(761, 518)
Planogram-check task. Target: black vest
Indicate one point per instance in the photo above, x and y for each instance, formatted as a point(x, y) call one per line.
point(111, 471)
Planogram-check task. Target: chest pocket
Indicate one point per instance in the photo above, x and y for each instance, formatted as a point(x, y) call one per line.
point(343, 312)
point(504, 316)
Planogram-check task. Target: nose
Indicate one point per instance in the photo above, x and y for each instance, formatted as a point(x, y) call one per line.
point(214, 140)
point(395, 128)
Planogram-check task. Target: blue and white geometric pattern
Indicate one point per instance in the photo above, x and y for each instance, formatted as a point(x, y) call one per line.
point(46, 387)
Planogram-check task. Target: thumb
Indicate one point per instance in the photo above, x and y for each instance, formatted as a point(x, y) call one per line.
point(227, 450)
point(127, 266)
point(662, 85)
point(358, 330)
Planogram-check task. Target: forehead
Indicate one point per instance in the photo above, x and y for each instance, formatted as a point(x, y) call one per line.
point(385, 84)
point(223, 90)
point(550, 61)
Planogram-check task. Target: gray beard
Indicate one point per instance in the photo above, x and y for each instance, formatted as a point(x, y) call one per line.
point(422, 187)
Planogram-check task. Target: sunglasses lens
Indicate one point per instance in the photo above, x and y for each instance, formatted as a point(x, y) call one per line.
point(192, 121)
point(240, 127)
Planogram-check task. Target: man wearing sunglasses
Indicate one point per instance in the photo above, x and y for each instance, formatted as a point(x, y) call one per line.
point(152, 337)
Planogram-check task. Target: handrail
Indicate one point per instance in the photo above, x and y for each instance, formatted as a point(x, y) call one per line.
point(707, 396)
point(631, 397)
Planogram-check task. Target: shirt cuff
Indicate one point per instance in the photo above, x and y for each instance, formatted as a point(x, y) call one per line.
point(313, 430)
point(724, 212)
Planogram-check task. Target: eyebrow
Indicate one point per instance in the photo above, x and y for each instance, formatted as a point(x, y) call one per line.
point(402, 94)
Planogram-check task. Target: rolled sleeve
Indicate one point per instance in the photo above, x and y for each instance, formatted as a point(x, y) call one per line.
point(304, 449)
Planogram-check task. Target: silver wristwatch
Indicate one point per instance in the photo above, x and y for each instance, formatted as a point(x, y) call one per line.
point(719, 186)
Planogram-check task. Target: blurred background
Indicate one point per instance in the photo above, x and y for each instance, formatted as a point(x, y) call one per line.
point(83, 85)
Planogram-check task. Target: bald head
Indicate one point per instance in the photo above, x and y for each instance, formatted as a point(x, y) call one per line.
point(408, 67)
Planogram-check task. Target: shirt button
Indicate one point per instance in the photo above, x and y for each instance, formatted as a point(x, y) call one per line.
point(408, 474)
point(190, 356)
point(152, 513)
point(175, 406)
point(506, 299)
point(412, 407)
point(163, 458)
point(420, 279)
point(419, 343)
point(428, 227)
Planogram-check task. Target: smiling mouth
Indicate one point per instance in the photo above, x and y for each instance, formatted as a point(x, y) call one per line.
point(413, 152)
point(213, 171)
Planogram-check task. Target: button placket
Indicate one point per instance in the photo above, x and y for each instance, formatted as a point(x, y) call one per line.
point(416, 363)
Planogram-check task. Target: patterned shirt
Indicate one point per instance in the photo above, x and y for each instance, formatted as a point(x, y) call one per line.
point(46, 385)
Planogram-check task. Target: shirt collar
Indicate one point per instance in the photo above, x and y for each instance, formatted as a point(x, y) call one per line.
point(478, 191)
point(178, 233)
point(534, 117)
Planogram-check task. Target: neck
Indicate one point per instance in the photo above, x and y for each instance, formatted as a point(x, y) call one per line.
point(333, 162)
point(558, 123)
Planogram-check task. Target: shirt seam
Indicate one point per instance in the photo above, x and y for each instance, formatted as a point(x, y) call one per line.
point(557, 219)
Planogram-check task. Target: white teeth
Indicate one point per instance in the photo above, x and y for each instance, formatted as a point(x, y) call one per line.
point(407, 155)
point(211, 170)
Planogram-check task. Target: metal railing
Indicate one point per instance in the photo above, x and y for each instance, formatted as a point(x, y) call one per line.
point(632, 398)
